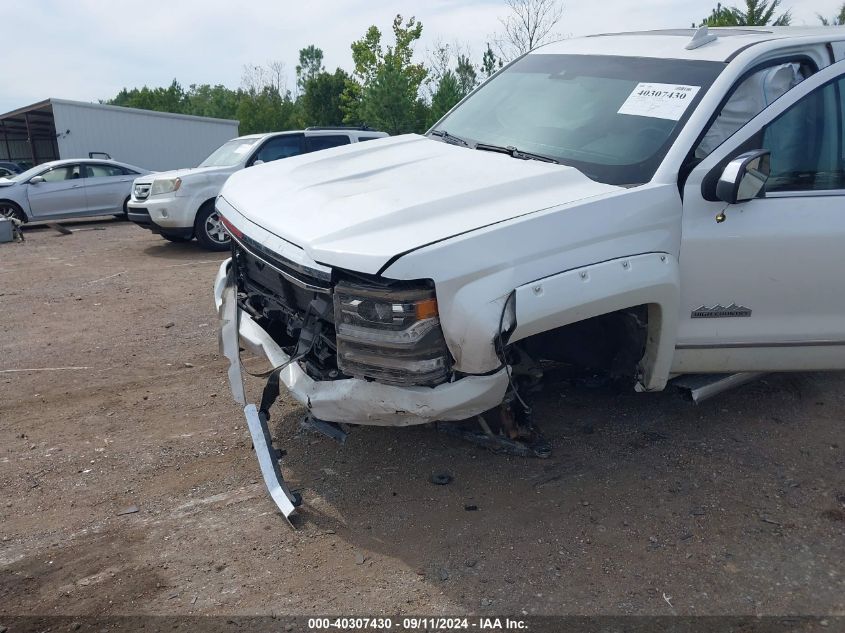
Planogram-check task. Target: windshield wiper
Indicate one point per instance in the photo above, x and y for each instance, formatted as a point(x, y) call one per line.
point(515, 153)
point(450, 138)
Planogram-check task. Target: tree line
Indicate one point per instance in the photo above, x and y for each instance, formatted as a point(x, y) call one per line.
point(389, 88)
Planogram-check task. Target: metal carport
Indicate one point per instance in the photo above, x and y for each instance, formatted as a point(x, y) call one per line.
point(28, 135)
point(63, 129)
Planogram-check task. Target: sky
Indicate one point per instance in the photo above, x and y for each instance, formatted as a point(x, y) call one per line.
point(89, 49)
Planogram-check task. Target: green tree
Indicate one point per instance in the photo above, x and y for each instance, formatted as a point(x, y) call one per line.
point(756, 13)
point(320, 101)
point(367, 55)
point(838, 20)
point(386, 103)
point(450, 84)
point(466, 75)
point(384, 88)
point(212, 101)
point(170, 99)
point(310, 65)
point(447, 94)
point(266, 111)
point(489, 62)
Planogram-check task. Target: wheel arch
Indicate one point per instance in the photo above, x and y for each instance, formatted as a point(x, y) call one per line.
point(650, 280)
point(18, 206)
point(203, 205)
point(206, 210)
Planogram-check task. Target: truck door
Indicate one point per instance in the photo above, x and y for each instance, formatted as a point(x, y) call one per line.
point(763, 288)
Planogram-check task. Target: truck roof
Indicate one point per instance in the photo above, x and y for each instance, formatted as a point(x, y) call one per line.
point(672, 43)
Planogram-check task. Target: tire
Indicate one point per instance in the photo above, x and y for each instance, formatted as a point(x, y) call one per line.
point(12, 211)
point(209, 231)
point(177, 239)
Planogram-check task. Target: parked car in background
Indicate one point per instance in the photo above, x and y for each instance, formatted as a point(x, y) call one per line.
point(5, 172)
point(11, 167)
point(179, 204)
point(68, 189)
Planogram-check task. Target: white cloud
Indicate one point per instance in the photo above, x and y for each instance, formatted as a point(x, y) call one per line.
point(90, 49)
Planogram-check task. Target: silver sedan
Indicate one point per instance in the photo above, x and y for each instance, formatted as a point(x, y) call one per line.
point(68, 189)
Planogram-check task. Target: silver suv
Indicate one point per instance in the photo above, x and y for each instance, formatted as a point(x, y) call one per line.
point(179, 204)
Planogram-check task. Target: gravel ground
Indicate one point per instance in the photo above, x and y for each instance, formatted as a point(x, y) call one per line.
point(113, 398)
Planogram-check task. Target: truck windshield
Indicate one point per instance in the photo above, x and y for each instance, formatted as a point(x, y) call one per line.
point(230, 153)
point(612, 118)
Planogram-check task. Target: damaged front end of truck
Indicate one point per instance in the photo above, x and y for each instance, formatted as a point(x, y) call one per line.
point(351, 348)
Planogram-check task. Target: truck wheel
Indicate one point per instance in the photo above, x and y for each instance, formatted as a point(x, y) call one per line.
point(11, 211)
point(209, 230)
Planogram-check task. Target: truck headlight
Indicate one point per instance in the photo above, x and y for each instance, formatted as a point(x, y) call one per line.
point(391, 335)
point(165, 185)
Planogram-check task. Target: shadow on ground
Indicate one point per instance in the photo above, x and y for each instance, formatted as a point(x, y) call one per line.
point(724, 507)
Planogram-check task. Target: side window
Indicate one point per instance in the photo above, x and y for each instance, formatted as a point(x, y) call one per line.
point(806, 143)
point(58, 174)
point(368, 138)
point(755, 93)
point(316, 143)
point(102, 171)
point(279, 147)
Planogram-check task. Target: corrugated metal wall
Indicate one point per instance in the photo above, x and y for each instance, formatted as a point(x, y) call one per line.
point(149, 140)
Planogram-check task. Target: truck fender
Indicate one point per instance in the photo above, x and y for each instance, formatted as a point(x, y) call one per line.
point(650, 279)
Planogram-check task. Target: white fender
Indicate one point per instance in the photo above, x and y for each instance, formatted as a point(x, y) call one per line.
point(568, 297)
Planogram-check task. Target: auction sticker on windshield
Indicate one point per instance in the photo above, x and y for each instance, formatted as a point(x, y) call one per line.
point(659, 101)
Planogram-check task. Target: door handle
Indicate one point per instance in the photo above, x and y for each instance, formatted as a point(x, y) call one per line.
point(75, 186)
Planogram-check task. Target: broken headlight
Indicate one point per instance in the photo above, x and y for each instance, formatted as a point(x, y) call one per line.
point(391, 335)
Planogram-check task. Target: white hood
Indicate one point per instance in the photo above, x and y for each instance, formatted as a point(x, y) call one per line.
point(360, 205)
point(187, 171)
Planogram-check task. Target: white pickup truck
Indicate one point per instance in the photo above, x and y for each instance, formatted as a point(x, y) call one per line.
point(639, 205)
point(179, 204)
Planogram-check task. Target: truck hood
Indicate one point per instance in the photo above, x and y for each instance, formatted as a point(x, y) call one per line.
point(359, 206)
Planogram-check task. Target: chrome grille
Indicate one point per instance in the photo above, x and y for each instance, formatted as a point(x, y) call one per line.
point(142, 191)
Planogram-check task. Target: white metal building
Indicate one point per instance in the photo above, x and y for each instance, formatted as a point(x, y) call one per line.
point(57, 128)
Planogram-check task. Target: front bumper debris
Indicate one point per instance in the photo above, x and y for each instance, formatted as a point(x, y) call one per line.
point(356, 401)
point(348, 400)
point(262, 442)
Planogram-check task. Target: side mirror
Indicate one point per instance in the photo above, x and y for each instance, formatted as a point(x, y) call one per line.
point(744, 177)
point(36, 179)
point(257, 161)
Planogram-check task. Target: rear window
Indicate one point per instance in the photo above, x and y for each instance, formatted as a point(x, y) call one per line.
point(103, 171)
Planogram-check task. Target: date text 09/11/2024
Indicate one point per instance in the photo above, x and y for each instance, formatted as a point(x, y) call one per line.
point(417, 624)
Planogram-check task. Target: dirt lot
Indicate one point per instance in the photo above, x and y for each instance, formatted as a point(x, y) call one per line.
point(113, 395)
